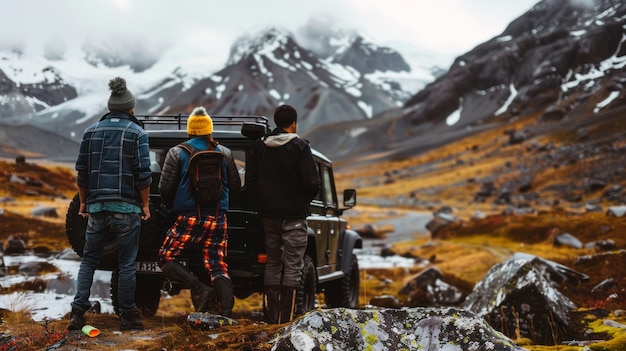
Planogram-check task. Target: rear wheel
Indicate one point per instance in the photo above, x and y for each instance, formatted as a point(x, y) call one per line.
point(306, 298)
point(75, 226)
point(344, 292)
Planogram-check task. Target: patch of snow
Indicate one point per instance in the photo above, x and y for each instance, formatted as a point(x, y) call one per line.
point(51, 304)
point(275, 94)
point(368, 260)
point(604, 103)
point(454, 117)
point(357, 131)
point(367, 108)
point(612, 63)
point(508, 101)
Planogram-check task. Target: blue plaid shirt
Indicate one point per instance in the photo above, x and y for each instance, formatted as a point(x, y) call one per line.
point(114, 160)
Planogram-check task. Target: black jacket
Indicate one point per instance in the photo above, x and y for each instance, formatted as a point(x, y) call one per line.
point(282, 175)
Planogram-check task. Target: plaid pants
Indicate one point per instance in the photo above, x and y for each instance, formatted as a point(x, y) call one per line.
point(209, 235)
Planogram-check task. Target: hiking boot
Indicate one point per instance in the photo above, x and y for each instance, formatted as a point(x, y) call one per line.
point(287, 304)
point(202, 296)
point(77, 319)
point(271, 304)
point(130, 321)
point(224, 290)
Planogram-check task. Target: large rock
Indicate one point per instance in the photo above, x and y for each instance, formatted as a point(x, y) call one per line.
point(520, 298)
point(447, 329)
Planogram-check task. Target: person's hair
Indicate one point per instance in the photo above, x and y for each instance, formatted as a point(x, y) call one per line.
point(285, 115)
point(211, 141)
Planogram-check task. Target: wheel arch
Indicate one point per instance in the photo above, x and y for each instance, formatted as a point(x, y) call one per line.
point(351, 240)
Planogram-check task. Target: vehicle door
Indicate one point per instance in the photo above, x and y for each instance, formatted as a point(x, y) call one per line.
point(324, 223)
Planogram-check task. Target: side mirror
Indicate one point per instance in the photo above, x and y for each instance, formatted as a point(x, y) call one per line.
point(253, 130)
point(349, 198)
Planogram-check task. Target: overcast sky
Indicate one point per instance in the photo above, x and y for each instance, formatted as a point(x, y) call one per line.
point(447, 26)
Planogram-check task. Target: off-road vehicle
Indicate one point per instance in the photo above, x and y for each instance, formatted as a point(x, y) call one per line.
point(331, 266)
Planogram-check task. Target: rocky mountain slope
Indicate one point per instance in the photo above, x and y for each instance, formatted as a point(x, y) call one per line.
point(558, 65)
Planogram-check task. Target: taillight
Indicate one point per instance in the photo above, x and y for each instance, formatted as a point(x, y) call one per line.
point(261, 258)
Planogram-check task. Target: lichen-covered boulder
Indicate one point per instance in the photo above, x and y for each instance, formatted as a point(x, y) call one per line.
point(340, 329)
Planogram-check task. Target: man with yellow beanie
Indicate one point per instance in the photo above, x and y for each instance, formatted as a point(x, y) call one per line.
point(198, 226)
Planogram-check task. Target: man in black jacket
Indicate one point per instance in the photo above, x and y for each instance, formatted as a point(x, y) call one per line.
point(283, 175)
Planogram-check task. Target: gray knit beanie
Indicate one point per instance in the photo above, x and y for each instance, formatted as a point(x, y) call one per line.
point(121, 99)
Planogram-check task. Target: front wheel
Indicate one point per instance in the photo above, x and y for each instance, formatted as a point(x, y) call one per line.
point(344, 292)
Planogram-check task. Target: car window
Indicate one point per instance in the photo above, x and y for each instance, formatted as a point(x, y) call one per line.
point(157, 157)
point(240, 162)
point(319, 196)
point(327, 188)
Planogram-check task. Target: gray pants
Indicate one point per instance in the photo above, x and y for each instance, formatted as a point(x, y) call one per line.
point(285, 241)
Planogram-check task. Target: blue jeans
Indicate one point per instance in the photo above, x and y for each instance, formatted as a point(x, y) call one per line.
point(126, 227)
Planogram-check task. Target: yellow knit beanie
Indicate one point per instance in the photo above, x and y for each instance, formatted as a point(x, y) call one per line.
point(199, 122)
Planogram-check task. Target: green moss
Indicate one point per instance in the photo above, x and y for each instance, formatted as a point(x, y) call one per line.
point(371, 339)
point(333, 329)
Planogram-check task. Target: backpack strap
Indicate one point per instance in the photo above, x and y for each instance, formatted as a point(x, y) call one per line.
point(187, 146)
point(191, 150)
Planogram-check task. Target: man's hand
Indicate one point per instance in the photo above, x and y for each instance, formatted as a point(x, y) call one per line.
point(145, 202)
point(146, 212)
point(82, 210)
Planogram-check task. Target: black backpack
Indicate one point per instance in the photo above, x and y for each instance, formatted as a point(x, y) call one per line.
point(205, 172)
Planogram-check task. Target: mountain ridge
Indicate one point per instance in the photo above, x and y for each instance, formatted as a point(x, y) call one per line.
point(324, 91)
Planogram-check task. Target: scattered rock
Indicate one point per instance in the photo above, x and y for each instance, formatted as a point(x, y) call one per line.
point(31, 268)
point(14, 245)
point(69, 254)
point(594, 184)
point(387, 252)
point(613, 193)
point(387, 301)
point(604, 245)
point(593, 208)
point(487, 189)
point(599, 257)
point(567, 239)
point(421, 281)
point(605, 285)
point(441, 293)
point(441, 218)
point(371, 231)
point(428, 289)
point(6, 199)
point(43, 211)
point(616, 211)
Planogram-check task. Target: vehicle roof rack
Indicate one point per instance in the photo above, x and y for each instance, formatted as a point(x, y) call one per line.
point(180, 120)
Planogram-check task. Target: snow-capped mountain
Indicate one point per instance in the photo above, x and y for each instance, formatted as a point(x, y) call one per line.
point(559, 65)
point(355, 82)
point(31, 91)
